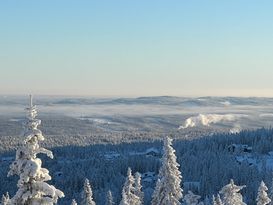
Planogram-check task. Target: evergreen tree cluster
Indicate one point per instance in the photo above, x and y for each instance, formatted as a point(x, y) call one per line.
point(33, 188)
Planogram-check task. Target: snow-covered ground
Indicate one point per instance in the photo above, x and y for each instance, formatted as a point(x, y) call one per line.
point(244, 155)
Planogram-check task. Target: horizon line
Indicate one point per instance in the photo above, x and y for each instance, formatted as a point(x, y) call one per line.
point(132, 96)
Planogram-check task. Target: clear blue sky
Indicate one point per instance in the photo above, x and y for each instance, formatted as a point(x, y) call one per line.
point(137, 48)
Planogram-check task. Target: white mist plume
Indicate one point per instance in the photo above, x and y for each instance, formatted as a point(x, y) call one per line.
point(226, 103)
point(206, 120)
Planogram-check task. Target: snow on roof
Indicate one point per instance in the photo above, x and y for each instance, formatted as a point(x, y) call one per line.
point(111, 155)
point(241, 146)
point(152, 149)
point(146, 152)
point(148, 177)
point(247, 159)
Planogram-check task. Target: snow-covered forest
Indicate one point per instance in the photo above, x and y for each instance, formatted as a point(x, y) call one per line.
point(136, 102)
point(221, 168)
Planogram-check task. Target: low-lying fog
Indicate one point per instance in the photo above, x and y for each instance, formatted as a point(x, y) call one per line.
point(162, 114)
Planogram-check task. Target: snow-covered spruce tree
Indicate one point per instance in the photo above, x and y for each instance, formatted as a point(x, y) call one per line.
point(138, 187)
point(5, 199)
point(128, 192)
point(191, 199)
point(168, 190)
point(87, 194)
point(231, 195)
point(32, 186)
point(73, 202)
point(262, 198)
point(213, 200)
point(109, 199)
point(218, 200)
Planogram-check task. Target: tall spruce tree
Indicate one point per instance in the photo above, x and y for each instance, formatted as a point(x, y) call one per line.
point(138, 188)
point(109, 198)
point(87, 194)
point(128, 192)
point(262, 198)
point(32, 186)
point(231, 195)
point(168, 190)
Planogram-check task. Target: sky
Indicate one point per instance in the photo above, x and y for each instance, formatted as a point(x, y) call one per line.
point(136, 48)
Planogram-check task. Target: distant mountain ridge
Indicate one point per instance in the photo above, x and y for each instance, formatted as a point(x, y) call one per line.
point(159, 100)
